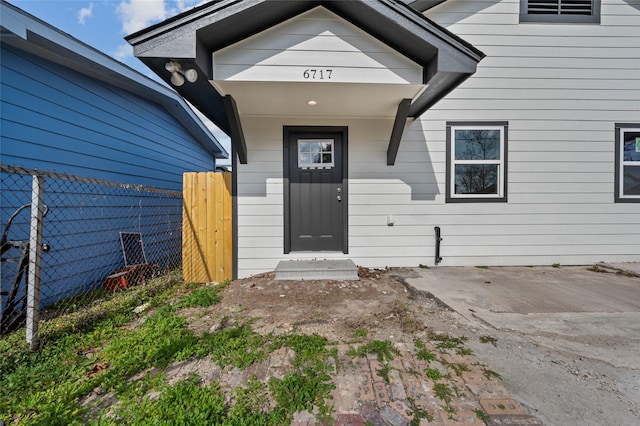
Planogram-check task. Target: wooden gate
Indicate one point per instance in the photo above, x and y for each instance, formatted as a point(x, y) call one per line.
point(207, 244)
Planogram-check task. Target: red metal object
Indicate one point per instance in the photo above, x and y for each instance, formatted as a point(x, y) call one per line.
point(129, 276)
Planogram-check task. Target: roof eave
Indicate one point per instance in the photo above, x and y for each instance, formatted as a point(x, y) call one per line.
point(188, 38)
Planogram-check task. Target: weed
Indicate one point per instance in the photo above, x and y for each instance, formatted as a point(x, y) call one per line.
point(555, 265)
point(237, 346)
point(251, 405)
point(489, 339)
point(162, 339)
point(482, 415)
point(186, 403)
point(446, 343)
point(443, 392)
point(423, 353)
point(501, 406)
point(302, 391)
point(459, 368)
point(308, 348)
point(421, 266)
point(384, 349)
point(384, 372)
point(418, 413)
point(413, 372)
point(200, 298)
point(433, 373)
point(490, 374)
point(463, 351)
point(360, 333)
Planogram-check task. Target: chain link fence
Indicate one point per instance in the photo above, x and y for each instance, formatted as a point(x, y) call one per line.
point(96, 237)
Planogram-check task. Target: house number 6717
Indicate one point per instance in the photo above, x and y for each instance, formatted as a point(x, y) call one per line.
point(317, 74)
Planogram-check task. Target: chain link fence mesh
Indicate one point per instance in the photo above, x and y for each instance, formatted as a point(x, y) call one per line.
point(98, 237)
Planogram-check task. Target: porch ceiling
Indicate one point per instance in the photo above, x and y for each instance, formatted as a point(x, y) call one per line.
point(332, 99)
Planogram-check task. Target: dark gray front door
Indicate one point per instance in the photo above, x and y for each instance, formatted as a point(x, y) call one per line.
point(317, 204)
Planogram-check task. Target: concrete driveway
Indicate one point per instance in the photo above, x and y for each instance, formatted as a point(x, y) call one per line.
point(555, 324)
point(572, 308)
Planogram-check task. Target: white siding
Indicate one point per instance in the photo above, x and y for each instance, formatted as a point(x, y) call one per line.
point(560, 87)
point(336, 50)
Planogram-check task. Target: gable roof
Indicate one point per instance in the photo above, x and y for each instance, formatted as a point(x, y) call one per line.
point(192, 36)
point(28, 33)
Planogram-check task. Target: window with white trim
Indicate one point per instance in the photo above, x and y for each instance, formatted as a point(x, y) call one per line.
point(627, 179)
point(560, 11)
point(315, 153)
point(477, 162)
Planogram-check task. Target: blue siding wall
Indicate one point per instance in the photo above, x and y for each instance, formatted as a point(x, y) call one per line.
point(56, 119)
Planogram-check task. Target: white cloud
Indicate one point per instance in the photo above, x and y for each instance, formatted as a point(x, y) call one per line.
point(85, 13)
point(123, 52)
point(138, 14)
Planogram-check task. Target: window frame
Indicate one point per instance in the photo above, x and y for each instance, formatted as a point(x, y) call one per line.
point(501, 196)
point(594, 18)
point(620, 129)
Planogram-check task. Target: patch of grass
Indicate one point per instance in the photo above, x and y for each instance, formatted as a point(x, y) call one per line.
point(237, 346)
point(433, 373)
point(309, 349)
point(489, 339)
point(490, 374)
point(44, 387)
point(383, 349)
point(423, 353)
point(162, 339)
point(98, 351)
point(302, 391)
point(360, 333)
point(201, 298)
point(251, 406)
point(418, 413)
point(482, 415)
point(186, 403)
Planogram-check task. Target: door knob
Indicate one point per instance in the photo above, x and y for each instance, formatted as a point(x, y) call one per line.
point(339, 198)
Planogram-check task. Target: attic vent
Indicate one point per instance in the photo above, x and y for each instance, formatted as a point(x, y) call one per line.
point(560, 7)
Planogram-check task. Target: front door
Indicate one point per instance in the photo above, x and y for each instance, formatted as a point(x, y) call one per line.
point(315, 191)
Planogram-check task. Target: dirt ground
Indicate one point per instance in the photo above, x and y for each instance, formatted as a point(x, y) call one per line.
point(379, 302)
point(558, 388)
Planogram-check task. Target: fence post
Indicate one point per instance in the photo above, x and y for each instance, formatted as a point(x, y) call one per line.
point(35, 259)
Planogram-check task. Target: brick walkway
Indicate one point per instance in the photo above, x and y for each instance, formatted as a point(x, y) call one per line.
point(363, 396)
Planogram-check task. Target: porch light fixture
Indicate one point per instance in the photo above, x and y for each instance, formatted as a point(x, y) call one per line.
point(178, 75)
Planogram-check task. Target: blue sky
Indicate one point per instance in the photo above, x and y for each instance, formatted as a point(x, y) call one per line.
point(103, 24)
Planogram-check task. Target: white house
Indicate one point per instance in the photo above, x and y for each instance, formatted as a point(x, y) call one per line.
point(362, 129)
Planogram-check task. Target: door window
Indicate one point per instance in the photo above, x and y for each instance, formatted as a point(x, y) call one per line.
point(315, 153)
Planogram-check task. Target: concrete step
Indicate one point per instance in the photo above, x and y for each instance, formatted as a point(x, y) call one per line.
point(299, 270)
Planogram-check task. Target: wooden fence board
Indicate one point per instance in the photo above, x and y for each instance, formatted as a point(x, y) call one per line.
point(207, 232)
